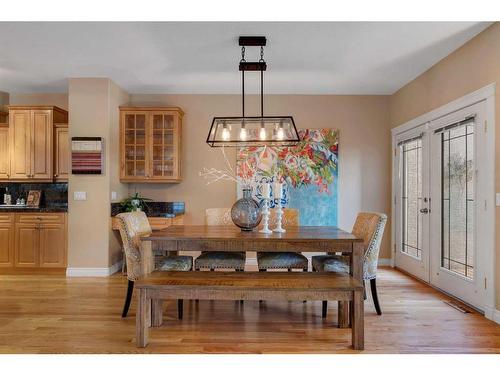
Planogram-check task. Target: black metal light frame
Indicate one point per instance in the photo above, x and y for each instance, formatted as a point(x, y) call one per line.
point(259, 66)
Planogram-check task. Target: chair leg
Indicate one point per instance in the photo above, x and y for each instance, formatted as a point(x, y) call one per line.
point(324, 309)
point(373, 285)
point(130, 290)
point(180, 308)
point(364, 290)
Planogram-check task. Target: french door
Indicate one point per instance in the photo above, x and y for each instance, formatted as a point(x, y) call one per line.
point(437, 203)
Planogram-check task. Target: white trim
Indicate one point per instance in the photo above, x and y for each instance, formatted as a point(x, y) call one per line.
point(492, 314)
point(465, 101)
point(93, 272)
point(486, 94)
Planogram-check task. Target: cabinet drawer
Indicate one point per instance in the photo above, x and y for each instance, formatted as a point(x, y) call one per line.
point(6, 218)
point(45, 218)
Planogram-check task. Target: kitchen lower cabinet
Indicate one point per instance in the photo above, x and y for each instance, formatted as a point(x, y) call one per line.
point(6, 240)
point(33, 242)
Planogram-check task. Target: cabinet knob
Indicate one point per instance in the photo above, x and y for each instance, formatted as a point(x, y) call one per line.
point(56, 175)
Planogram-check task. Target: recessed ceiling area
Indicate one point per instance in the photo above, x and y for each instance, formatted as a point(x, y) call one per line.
point(202, 57)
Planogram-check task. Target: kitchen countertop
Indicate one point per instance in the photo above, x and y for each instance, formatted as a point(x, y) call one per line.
point(34, 209)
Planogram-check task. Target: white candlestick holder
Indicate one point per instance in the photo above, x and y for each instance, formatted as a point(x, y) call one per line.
point(265, 217)
point(279, 218)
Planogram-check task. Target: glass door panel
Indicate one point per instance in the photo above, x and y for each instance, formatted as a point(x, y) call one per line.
point(457, 205)
point(412, 198)
point(455, 268)
point(412, 203)
point(135, 145)
point(163, 145)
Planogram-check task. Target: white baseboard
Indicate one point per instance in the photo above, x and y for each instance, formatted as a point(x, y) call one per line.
point(93, 272)
point(492, 314)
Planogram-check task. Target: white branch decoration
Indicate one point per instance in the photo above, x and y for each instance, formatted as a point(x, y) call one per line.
point(214, 175)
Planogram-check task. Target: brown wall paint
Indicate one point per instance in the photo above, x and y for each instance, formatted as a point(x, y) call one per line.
point(474, 65)
point(364, 149)
point(93, 103)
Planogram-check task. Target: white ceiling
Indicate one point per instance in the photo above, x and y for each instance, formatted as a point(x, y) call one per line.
point(202, 57)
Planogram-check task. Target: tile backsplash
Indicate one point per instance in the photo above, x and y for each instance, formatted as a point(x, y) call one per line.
point(53, 194)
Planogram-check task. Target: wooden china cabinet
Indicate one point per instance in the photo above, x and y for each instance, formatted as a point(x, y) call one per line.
point(150, 144)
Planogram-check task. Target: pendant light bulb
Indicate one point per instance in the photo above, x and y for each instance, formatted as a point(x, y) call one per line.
point(225, 133)
point(281, 133)
point(262, 133)
point(243, 133)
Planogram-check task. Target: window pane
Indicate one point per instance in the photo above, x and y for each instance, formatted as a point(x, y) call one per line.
point(457, 253)
point(411, 153)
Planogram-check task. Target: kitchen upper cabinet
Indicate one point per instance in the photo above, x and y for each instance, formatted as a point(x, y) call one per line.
point(4, 152)
point(150, 144)
point(20, 144)
point(31, 133)
point(61, 160)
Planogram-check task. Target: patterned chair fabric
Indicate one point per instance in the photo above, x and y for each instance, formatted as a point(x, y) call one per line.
point(370, 227)
point(282, 260)
point(220, 259)
point(134, 225)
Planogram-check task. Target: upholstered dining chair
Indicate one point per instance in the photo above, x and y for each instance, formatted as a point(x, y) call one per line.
point(370, 227)
point(282, 260)
point(132, 226)
point(213, 260)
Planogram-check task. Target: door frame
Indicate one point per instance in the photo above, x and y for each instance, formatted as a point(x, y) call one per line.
point(487, 227)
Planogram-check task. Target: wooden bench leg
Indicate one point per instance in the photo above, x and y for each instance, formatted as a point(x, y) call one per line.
point(343, 312)
point(357, 320)
point(143, 318)
point(157, 313)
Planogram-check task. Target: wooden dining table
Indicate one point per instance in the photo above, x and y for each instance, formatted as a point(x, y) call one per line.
point(188, 238)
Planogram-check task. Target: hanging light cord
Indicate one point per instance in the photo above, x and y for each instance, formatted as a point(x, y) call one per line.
point(243, 81)
point(261, 83)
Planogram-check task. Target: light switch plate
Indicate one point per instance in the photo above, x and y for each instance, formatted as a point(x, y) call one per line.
point(113, 195)
point(497, 199)
point(80, 195)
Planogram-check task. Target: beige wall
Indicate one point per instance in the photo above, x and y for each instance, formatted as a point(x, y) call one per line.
point(474, 65)
point(57, 99)
point(364, 166)
point(93, 104)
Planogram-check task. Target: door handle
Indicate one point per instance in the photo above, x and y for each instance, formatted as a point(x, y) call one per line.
point(424, 210)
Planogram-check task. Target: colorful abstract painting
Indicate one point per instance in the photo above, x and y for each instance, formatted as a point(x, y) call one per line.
point(309, 169)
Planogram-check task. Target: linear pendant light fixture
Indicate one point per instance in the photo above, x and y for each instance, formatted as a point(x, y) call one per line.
point(253, 130)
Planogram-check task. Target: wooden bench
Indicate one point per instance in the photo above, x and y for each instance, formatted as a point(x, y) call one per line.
point(289, 286)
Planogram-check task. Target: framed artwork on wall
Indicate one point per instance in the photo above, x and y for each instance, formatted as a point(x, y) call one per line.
point(309, 171)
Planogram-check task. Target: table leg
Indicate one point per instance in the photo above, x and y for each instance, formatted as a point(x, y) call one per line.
point(156, 313)
point(147, 258)
point(357, 319)
point(357, 260)
point(143, 318)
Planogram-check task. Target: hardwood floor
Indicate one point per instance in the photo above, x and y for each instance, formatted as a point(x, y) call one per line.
point(54, 314)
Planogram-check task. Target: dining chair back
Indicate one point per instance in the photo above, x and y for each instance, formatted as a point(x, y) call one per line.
point(132, 226)
point(368, 226)
point(213, 260)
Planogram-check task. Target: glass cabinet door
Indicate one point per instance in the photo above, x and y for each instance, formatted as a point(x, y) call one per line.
point(163, 143)
point(135, 145)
